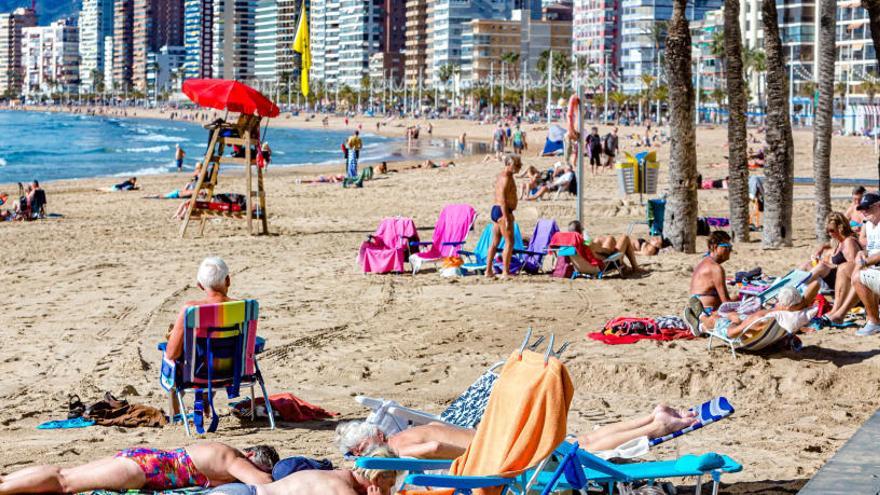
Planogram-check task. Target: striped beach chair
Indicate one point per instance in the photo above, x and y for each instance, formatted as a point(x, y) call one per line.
point(219, 352)
point(760, 334)
point(707, 413)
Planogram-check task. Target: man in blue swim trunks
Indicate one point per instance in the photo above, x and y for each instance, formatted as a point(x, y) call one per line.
point(502, 215)
point(708, 283)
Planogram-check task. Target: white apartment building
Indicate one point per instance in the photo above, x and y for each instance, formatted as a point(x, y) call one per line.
point(234, 39)
point(95, 24)
point(50, 59)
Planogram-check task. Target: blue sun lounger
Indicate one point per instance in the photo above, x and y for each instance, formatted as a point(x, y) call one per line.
point(476, 260)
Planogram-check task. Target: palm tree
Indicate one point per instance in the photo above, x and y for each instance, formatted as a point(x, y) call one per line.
point(511, 62)
point(870, 89)
point(717, 47)
point(446, 72)
point(756, 64)
point(648, 82)
point(824, 115)
point(619, 99)
point(661, 96)
point(737, 134)
point(873, 8)
point(680, 225)
point(808, 89)
point(779, 162)
point(561, 64)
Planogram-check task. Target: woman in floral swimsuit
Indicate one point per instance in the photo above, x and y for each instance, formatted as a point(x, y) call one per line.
point(203, 464)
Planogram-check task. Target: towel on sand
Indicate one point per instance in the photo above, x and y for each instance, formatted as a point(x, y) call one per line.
point(286, 406)
point(524, 421)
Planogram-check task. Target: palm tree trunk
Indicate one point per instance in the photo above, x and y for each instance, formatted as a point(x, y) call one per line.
point(737, 134)
point(824, 115)
point(873, 8)
point(680, 225)
point(780, 145)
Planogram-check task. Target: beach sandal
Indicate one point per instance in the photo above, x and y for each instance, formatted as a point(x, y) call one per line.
point(75, 407)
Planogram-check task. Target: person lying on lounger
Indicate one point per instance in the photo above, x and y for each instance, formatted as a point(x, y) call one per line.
point(442, 441)
point(605, 246)
point(708, 282)
point(734, 325)
point(201, 465)
point(319, 482)
point(561, 179)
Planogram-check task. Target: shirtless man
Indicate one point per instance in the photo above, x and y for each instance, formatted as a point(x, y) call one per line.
point(203, 464)
point(213, 278)
point(856, 218)
point(442, 441)
point(357, 481)
point(502, 215)
point(708, 282)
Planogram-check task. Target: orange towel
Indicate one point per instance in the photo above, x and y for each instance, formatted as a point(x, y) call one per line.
point(524, 422)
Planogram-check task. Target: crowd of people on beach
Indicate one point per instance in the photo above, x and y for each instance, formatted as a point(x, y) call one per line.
point(30, 204)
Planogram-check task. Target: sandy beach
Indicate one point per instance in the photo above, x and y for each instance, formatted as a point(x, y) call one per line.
point(89, 296)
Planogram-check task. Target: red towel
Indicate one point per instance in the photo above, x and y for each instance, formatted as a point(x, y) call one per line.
point(293, 409)
point(665, 334)
point(562, 239)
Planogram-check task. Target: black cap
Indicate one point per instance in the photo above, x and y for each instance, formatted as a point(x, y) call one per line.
point(868, 200)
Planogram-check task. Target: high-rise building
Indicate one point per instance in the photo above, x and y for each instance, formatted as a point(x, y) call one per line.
point(234, 39)
point(11, 25)
point(643, 40)
point(198, 38)
point(95, 25)
point(416, 46)
point(162, 69)
point(485, 42)
point(156, 23)
point(325, 40)
point(448, 20)
point(276, 22)
point(596, 34)
point(123, 43)
point(266, 36)
point(50, 58)
point(108, 62)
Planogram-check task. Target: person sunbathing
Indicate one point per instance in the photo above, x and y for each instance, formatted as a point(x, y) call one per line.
point(733, 324)
point(605, 246)
point(856, 218)
point(708, 282)
point(443, 441)
point(562, 177)
point(203, 464)
point(213, 278)
point(530, 186)
point(834, 263)
point(324, 482)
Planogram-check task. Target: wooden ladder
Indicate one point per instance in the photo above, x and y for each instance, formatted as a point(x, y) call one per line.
point(210, 172)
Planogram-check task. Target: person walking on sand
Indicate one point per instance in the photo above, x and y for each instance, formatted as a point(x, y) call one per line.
point(502, 215)
point(178, 157)
point(462, 142)
point(610, 147)
point(498, 139)
point(354, 146)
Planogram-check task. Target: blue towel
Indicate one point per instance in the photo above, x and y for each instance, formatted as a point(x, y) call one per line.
point(65, 424)
point(290, 465)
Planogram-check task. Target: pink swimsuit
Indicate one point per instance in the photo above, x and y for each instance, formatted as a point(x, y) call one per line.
point(165, 470)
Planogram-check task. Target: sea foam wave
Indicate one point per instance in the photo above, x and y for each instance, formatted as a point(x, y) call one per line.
point(149, 149)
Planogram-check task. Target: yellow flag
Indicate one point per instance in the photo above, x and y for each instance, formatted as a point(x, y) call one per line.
point(303, 46)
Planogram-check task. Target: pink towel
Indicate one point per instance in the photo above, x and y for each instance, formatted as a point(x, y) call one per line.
point(453, 225)
point(386, 250)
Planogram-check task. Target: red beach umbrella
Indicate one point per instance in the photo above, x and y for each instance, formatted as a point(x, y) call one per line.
point(228, 95)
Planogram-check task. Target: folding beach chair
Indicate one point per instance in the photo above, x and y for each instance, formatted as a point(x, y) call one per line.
point(655, 209)
point(531, 260)
point(218, 351)
point(571, 245)
point(524, 422)
point(760, 334)
point(450, 234)
point(577, 468)
point(385, 250)
point(465, 411)
point(476, 261)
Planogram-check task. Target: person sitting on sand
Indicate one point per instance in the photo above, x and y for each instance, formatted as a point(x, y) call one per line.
point(834, 263)
point(212, 278)
point(561, 181)
point(604, 246)
point(651, 246)
point(533, 183)
point(733, 324)
point(856, 219)
point(325, 482)
point(866, 279)
point(432, 164)
point(708, 282)
point(443, 441)
point(502, 215)
point(203, 465)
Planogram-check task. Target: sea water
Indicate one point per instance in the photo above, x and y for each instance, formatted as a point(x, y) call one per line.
point(49, 146)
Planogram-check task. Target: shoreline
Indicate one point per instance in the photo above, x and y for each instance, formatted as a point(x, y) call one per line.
point(396, 158)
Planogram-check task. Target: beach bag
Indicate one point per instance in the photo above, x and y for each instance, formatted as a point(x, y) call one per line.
point(625, 325)
point(452, 262)
point(563, 269)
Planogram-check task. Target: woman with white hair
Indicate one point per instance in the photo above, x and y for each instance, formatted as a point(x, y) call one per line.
point(213, 278)
point(733, 324)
